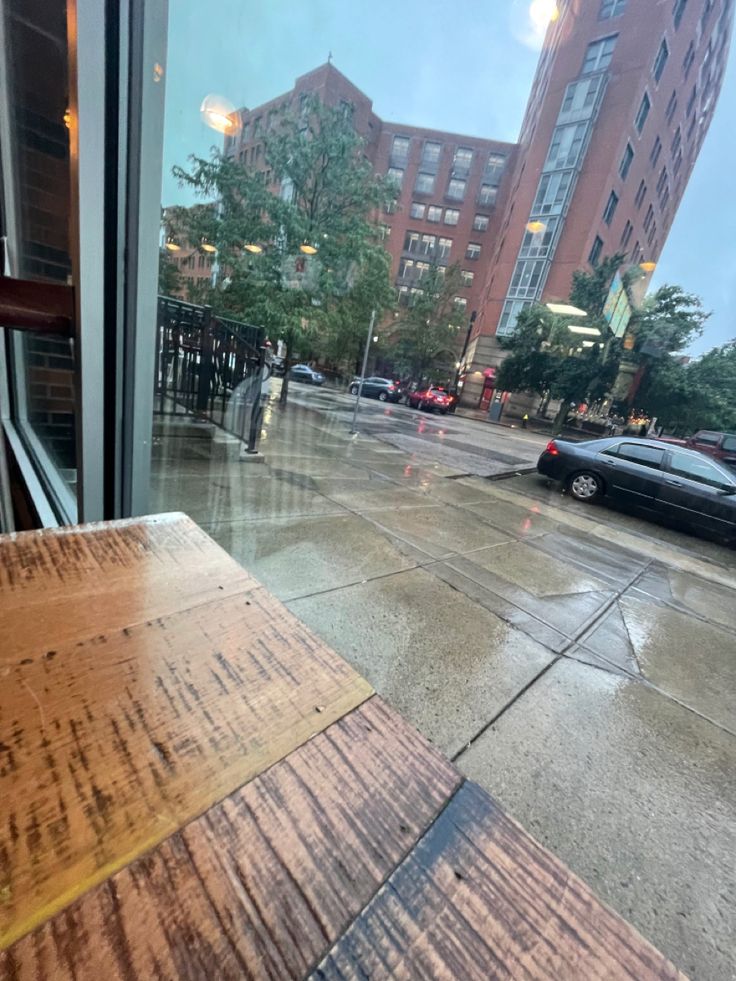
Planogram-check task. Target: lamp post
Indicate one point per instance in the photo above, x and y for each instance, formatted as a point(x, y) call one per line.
point(459, 364)
point(368, 340)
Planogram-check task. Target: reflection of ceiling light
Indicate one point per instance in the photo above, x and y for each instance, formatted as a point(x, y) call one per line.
point(648, 266)
point(172, 245)
point(588, 343)
point(542, 13)
point(207, 246)
point(568, 310)
point(68, 118)
point(253, 248)
point(219, 114)
point(308, 249)
point(590, 331)
point(535, 227)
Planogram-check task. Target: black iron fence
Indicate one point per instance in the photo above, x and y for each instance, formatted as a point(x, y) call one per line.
point(209, 367)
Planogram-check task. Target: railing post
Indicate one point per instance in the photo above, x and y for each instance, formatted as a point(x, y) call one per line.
point(257, 407)
point(206, 363)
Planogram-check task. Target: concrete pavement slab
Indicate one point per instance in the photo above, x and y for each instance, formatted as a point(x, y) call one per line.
point(442, 661)
point(376, 493)
point(300, 556)
point(439, 531)
point(636, 794)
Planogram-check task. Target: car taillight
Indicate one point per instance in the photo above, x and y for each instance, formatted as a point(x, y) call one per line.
point(391, 388)
point(552, 448)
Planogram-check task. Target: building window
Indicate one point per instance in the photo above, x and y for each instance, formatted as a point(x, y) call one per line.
point(641, 116)
point(688, 60)
point(403, 296)
point(460, 302)
point(552, 193)
point(434, 213)
point(676, 141)
point(656, 150)
point(610, 209)
point(663, 189)
point(581, 95)
point(511, 310)
point(564, 149)
point(443, 248)
point(677, 163)
point(384, 231)
point(494, 168)
point(411, 242)
point(626, 235)
point(538, 239)
point(456, 189)
point(599, 54)
point(691, 100)
point(527, 278)
point(648, 218)
point(472, 251)
point(595, 252)
point(467, 277)
point(487, 195)
point(480, 223)
point(427, 244)
point(245, 135)
point(462, 161)
point(691, 129)
point(611, 8)
point(431, 153)
point(406, 268)
point(417, 210)
point(452, 216)
point(707, 8)
point(395, 176)
point(422, 268)
point(400, 149)
point(671, 107)
point(424, 183)
point(257, 125)
point(660, 61)
point(626, 161)
point(651, 233)
point(678, 11)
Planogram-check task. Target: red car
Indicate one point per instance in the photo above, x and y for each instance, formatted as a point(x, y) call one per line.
point(433, 399)
point(722, 446)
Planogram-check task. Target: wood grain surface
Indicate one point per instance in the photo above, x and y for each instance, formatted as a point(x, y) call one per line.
point(479, 898)
point(263, 883)
point(147, 696)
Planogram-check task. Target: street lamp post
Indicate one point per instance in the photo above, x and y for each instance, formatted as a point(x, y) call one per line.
point(368, 340)
point(461, 362)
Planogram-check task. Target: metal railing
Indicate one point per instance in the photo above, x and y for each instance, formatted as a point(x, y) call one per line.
point(209, 367)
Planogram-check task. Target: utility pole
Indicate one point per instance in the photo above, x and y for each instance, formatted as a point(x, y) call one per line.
point(461, 362)
point(362, 373)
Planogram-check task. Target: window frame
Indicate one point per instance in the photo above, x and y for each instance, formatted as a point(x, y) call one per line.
point(645, 107)
point(627, 159)
point(601, 54)
point(660, 60)
point(610, 209)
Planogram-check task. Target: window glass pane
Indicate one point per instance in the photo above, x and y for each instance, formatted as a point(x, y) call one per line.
point(456, 189)
point(648, 456)
point(434, 213)
point(424, 183)
point(452, 216)
point(700, 471)
point(480, 223)
point(729, 444)
point(708, 439)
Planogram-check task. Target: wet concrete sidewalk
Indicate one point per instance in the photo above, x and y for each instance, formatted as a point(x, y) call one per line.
point(578, 662)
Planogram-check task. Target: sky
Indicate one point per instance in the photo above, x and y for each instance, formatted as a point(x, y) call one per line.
point(461, 66)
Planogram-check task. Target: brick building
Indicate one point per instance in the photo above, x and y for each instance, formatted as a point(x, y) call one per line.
point(620, 104)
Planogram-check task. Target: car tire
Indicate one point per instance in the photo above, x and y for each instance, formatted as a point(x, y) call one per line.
point(585, 486)
point(353, 389)
point(382, 397)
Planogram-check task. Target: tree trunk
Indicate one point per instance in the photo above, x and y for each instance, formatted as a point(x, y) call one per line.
point(561, 418)
point(287, 366)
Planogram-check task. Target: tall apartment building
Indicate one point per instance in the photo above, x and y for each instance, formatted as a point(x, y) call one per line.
point(621, 101)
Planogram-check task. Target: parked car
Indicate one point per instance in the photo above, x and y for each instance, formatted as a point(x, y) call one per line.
point(433, 399)
point(303, 373)
point(675, 483)
point(374, 387)
point(721, 446)
point(278, 366)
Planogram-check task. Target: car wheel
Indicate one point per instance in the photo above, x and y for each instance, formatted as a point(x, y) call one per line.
point(353, 389)
point(443, 412)
point(382, 396)
point(585, 486)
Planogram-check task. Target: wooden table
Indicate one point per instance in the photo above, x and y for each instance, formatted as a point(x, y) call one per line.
point(193, 785)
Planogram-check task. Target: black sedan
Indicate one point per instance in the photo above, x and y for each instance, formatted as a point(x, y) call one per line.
point(382, 389)
point(679, 485)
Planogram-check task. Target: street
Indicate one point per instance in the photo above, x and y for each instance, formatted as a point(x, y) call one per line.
point(576, 661)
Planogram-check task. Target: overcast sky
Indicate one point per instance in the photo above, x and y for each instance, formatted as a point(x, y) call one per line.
point(461, 66)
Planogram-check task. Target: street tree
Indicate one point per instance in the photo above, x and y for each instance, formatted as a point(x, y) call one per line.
point(326, 197)
point(425, 333)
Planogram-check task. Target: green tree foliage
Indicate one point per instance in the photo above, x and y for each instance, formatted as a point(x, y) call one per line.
point(545, 358)
point(590, 289)
point(426, 332)
point(667, 321)
point(329, 197)
point(169, 277)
